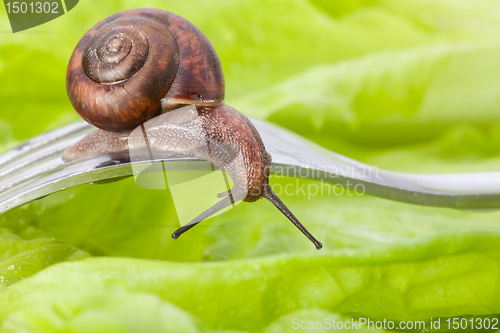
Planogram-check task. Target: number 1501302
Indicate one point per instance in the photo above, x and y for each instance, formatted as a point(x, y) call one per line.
point(32, 7)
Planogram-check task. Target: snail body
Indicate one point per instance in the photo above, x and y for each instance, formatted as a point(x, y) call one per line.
point(155, 72)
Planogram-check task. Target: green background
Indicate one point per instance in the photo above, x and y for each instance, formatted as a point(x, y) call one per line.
point(407, 86)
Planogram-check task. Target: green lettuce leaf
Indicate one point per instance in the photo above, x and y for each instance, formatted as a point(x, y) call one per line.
point(390, 97)
point(249, 294)
point(25, 250)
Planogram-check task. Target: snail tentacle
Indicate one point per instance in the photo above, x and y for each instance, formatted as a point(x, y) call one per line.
point(276, 201)
point(236, 195)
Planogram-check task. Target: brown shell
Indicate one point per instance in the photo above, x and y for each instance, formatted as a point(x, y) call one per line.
point(126, 64)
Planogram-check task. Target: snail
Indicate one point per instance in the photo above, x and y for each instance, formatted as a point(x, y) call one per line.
point(149, 70)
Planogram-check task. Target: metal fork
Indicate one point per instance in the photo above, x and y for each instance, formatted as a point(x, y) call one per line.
point(35, 169)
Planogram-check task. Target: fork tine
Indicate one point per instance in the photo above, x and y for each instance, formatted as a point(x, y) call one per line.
point(49, 177)
point(37, 151)
point(36, 169)
point(56, 175)
point(27, 163)
point(42, 141)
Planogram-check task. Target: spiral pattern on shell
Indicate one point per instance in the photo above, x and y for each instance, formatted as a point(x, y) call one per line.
point(116, 55)
point(126, 64)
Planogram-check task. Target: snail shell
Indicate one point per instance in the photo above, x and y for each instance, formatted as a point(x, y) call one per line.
point(136, 64)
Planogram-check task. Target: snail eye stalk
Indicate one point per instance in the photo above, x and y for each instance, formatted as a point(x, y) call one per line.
point(276, 201)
